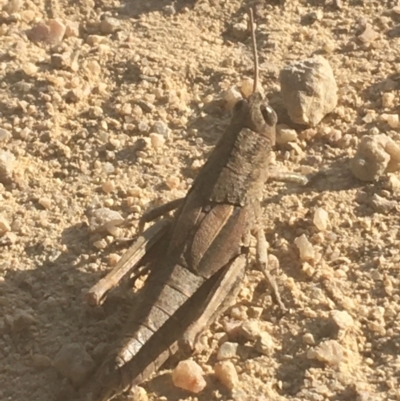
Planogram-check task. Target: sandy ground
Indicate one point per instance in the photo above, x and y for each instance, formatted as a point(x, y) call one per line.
point(78, 117)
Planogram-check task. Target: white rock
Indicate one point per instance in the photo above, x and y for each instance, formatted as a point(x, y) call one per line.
point(321, 219)
point(189, 376)
point(309, 90)
point(305, 248)
point(329, 352)
point(227, 350)
point(285, 135)
point(369, 34)
point(265, 344)
point(104, 219)
point(157, 140)
point(342, 319)
point(7, 165)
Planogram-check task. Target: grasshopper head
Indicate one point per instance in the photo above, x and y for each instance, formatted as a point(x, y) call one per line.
point(256, 114)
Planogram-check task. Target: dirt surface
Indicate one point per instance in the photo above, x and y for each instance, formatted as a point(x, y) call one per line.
point(78, 117)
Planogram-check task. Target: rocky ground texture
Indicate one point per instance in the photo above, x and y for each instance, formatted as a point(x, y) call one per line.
point(115, 106)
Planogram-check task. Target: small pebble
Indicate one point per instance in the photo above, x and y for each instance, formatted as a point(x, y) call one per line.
point(250, 330)
point(329, 352)
point(137, 393)
point(169, 9)
point(109, 25)
point(388, 99)
point(30, 69)
point(308, 339)
point(247, 87)
point(109, 203)
point(104, 219)
point(197, 164)
point(305, 248)
point(45, 202)
point(391, 119)
point(157, 141)
point(285, 135)
point(100, 244)
point(71, 29)
point(172, 182)
point(329, 46)
point(161, 128)
point(108, 186)
point(383, 205)
point(342, 319)
point(137, 111)
point(371, 159)
point(7, 165)
point(73, 362)
point(94, 67)
point(240, 30)
point(393, 184)
point(4, 135)
point(189, 376)
point(51, 32)
point(4, 225)
point(226, 373)
point(231, 97)
point(369, 35)
point(143, 126)
point(321, 219)
point(113, 259)
point(95, 40)
point(227, 350)
point(265, 344)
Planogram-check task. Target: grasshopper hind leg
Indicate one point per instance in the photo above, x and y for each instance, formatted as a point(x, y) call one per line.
point(223, 293)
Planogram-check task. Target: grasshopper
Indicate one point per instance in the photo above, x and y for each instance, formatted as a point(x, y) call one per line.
point(201, 254)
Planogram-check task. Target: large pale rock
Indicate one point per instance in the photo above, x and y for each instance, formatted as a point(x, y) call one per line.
point(309, 90)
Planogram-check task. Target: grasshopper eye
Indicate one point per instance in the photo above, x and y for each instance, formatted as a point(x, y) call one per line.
point(269, 115)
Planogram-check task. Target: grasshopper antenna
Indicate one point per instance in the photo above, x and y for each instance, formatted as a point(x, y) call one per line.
point(255, 54)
